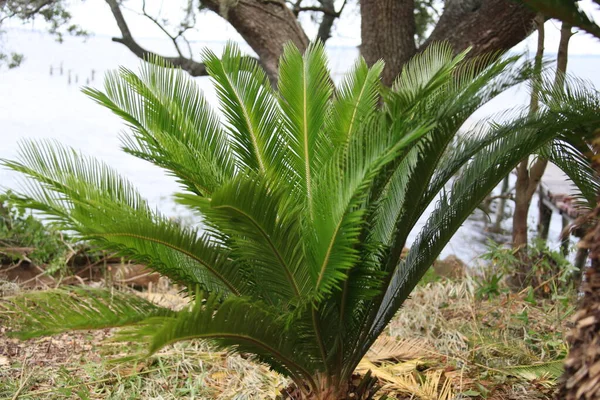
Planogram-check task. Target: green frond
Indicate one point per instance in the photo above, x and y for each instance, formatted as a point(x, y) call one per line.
point(89, 198)
point(261, 224)
point(552, 370)
point(340, 219)
point(577, 167)
point(355, 100)
point(478, 178)
point(42, 313)
point(172, 125)
point(423, 75)
point(245, 326)
point(305, 89)
point(457, 90)
point(250, 109)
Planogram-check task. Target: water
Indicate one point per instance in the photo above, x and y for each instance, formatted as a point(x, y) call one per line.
point(35, 104)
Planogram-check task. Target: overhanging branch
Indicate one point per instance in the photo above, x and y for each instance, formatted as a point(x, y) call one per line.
point(194, 68)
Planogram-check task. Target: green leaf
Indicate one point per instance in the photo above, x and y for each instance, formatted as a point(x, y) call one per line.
point(43, 313)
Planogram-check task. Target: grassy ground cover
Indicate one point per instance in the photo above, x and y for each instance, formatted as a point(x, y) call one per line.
point(448, 342)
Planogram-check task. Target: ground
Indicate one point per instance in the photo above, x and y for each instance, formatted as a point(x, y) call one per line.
point(445, 343)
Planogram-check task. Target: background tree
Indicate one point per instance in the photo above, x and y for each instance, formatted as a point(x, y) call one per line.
point(529, 175)
point(567, 11)
point(393, 30)
point(54, 12)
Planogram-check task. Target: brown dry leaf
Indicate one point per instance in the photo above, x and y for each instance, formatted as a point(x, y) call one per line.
point(390, 348)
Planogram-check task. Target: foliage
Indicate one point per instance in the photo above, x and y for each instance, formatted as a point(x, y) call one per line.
point(426, 15)
point(307, 195)
point(54, 12)
point(443, 336)
point(548, 273)
point(20, 229)
point(567, 11)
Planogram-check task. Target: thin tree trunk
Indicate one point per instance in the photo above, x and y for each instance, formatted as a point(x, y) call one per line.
point(522, 202)
point(501, 205)
point(544, 217)
point(528, 179)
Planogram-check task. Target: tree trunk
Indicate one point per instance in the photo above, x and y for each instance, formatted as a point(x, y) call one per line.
point(523, 185)
point(388, 33)
point(528, 179)
point(265, 25)
point(522, 202)
point(544, 217)
point(484, 25)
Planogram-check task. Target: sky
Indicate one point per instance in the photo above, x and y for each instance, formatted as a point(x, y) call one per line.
point(95, 16)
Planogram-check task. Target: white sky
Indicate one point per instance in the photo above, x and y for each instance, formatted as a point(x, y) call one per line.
point(95, 16)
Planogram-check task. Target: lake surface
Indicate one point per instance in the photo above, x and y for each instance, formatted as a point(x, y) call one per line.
point(37, 101)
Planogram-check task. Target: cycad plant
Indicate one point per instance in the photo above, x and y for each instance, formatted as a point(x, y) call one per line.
point(306, 194)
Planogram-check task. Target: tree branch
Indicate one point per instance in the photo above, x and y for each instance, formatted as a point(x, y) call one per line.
point(484, 25)
point(325, 10)
point(329, 17)
point(163, 29)
point(194, 68)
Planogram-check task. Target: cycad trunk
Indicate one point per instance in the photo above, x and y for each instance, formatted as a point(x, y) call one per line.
point(356, 388)
point(581, 379)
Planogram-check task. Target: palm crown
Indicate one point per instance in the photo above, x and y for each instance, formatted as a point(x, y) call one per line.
point(307, 196)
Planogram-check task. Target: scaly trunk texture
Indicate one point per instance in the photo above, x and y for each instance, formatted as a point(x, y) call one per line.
point(581, 379)
point(357, 388)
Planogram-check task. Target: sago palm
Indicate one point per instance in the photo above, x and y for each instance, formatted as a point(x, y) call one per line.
point(306, 194)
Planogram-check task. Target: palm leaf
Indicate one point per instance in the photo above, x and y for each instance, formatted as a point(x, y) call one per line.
point(261, 224)
point(305, 90)
point(355, 101)
point(250, 109)
point(244, 326)
point(172, 125)
point(85, 196)
point(479, 177)
point(49, 312)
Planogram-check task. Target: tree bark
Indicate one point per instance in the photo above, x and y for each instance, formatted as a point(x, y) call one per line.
point(524, 185)
point(581, 379)
point(388, 33)
point(484, 25)
point(265, 25)
point(194, 68)
point(529, 179)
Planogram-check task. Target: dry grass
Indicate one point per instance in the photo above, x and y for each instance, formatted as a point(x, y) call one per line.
point(444, 344)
